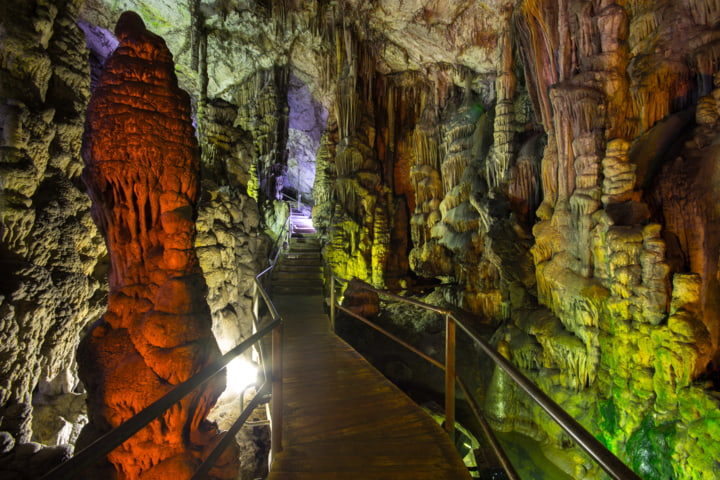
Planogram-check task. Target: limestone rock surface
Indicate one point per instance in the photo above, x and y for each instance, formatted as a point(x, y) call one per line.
point(51, 254)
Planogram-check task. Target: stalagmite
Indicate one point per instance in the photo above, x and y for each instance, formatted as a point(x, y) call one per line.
point(618, 172)
point(142, 174)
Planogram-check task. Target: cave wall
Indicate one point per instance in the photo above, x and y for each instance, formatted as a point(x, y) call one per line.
point(610, 79)
point(53, 257)
point(229, 243)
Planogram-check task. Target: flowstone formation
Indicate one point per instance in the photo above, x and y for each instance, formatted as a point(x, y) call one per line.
point(360, 225)
point(631, 322)
point(231, 251)
point(51, 254)
point(539, 191)
point(229, 246)
point(142, 164)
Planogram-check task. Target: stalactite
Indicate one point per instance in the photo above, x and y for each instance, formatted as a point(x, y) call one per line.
point(457, 141)
point(426, 147)
point(577, 111)
point(280, 17)
point(655, 79)
point(564, 46)
point(641, 27)
point(538, 26)
point(655, 275)
point(260, 100)
point(618, 173)
point(523, 188)
point(705, 12)
point(707, 60)
point(347, 252)
point(195, 27)
point(425, 173)
point(380, 246)
point(390, 108)
point(426, 181)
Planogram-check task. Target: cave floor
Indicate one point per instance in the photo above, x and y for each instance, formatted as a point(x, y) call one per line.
point(342, 418)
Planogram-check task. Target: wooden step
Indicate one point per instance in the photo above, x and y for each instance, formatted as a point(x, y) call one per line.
point(298, 276)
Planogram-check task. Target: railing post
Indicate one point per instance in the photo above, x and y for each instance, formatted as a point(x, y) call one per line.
point(332, 302)
point(277, 392)
point(256, 304)
point(256, 322)
point(450, 376)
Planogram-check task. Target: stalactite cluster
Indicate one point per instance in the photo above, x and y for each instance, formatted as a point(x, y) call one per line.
point(260, 100)
point(363, 206)
point(604, 267)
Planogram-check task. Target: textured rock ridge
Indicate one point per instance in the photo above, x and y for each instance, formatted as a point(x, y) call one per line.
point(360, 228)
point(51, 254)
point(142, 165)
point(231, 250)
point(534, 198)
point(606, 252)
point(228, 244)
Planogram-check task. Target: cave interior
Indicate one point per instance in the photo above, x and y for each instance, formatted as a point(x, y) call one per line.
point(547, 166)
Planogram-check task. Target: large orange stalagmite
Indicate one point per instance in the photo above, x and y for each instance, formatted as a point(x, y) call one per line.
point(142, 166)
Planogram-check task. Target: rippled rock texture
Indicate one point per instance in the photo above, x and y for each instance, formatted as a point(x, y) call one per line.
point(142, 165)
point(564, 193)
point(51, 254)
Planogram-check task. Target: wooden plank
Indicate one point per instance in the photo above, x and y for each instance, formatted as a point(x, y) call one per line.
point(343, 419)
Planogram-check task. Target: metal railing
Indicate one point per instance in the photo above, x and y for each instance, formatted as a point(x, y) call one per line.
point(289, 199)
point(115, 437)
point(612, 465)
point(281, 241)
point(272, 384)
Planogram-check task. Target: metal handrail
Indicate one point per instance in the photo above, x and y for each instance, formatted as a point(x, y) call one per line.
point(277, 358)
point(116, 436)
point(290, 199)
point(283, 237)
point(612, 465)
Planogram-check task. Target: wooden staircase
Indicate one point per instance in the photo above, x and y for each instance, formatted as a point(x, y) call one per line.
point(343, 420)
point(300, 269)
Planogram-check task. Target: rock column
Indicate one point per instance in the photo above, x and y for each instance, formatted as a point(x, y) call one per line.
point(142, 164)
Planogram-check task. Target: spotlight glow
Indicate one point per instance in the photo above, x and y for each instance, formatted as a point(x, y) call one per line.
point(240, 375)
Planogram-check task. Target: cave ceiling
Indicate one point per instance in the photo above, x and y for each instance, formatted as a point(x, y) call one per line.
point(243, 36)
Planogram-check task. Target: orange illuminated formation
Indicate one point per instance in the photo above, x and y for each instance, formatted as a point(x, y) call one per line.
point(142, 167)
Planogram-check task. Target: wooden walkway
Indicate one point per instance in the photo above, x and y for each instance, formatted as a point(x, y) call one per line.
point(342, 418)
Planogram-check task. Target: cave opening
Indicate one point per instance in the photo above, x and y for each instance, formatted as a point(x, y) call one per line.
point(307, 121)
